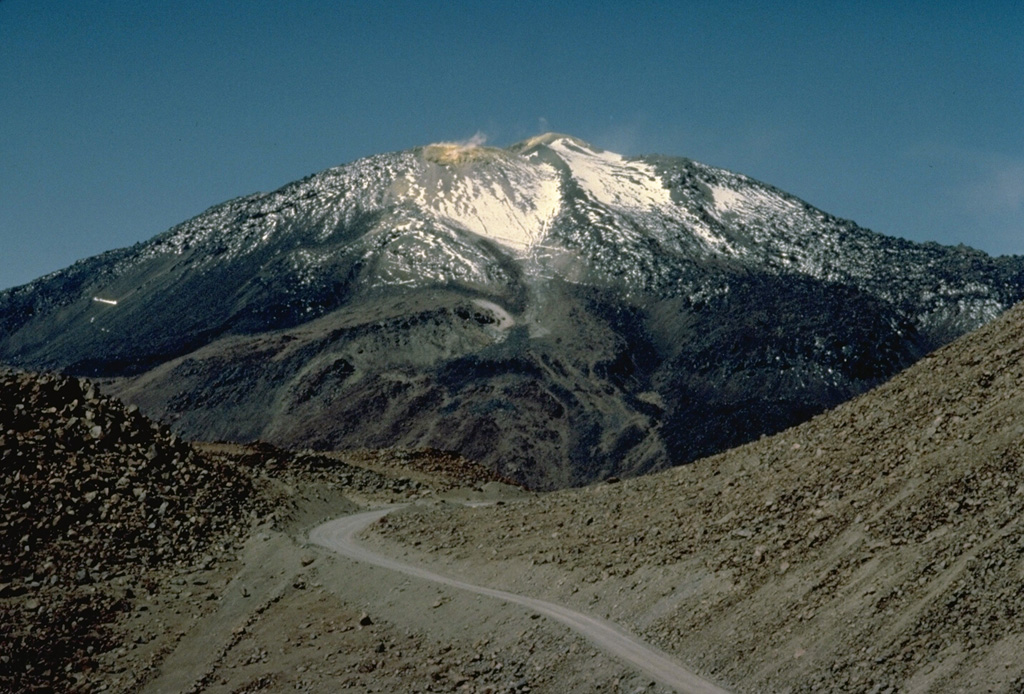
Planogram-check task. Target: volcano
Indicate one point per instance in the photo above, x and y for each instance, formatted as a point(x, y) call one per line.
point(555, 311)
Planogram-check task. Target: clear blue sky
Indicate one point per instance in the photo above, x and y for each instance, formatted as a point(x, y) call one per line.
point(120, 119)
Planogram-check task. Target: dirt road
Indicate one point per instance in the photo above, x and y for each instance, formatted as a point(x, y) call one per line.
point(339, 536)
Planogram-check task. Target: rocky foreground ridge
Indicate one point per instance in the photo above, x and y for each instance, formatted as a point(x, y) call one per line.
point(93, 495)
point(876, 548)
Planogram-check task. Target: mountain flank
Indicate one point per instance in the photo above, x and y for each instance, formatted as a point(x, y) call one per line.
point(554, 311)
point(876, 547)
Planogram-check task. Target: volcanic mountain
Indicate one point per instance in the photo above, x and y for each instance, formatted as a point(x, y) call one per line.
point(558, 312)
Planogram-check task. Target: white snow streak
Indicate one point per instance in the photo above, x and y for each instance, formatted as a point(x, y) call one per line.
point(751, 199)
point(508, 200)
point(611, 179)
point(726, 199)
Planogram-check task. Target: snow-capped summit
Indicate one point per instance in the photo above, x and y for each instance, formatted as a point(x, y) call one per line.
point(514, 196)
point(551, 206)
point(649, 308)
point(494, 193)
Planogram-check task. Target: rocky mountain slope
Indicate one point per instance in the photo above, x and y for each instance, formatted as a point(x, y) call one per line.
point(558, 312)
point(93, 494)
point(876, 547)
point(129, 557)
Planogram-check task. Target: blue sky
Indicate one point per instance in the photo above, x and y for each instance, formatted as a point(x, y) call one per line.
point(120, 119)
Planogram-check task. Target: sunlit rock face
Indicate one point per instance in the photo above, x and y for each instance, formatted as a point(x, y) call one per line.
point(557, 311)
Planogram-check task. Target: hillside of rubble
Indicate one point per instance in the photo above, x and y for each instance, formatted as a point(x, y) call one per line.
point(129, 556)
point(874, 548)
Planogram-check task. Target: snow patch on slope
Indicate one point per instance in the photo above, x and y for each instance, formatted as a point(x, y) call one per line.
point(507, 199)
point(751, 200)
point(612, 179)
point(726, 199)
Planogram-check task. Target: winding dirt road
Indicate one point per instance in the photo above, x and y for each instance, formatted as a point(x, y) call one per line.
point(339, 535)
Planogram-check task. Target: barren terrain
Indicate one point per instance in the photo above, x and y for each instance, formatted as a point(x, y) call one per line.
point(875, 548)
point(125, 597)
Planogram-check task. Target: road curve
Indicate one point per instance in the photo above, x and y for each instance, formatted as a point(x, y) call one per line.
point(339, 535)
